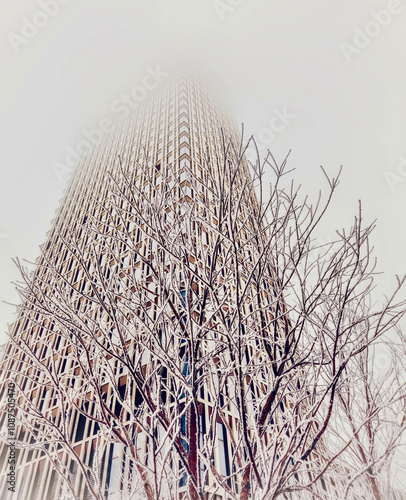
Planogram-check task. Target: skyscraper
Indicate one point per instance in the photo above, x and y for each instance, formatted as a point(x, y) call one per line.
point(140, 361)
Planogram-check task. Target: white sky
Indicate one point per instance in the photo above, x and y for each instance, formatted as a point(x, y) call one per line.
point(260, 56)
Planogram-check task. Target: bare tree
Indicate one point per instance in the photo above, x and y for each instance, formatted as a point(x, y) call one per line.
point(372, 415)
point(195, 331)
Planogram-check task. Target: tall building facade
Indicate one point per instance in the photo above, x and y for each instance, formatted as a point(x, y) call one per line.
point(137, 367)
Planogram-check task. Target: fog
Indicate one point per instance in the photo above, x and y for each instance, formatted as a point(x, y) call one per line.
point(323, 80)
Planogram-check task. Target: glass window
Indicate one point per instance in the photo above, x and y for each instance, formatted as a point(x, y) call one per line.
point(184, 150)
point(184, 128)
point(223, 449)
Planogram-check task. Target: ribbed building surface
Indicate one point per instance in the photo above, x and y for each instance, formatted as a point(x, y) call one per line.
point(121, 354)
